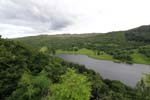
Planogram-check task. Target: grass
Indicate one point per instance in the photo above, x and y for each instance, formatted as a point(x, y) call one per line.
point(89, 53)
point(140, 59)
point(137, 58)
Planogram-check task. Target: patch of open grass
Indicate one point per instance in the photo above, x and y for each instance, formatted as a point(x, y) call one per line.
point(140, 59)
point(89, 53)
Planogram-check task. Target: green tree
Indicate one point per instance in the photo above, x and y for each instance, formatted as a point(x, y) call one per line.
point(75, 48)
point(32, 88)
point(144, 87)
point(147, 80)
point(73, 86)
point(52, 51)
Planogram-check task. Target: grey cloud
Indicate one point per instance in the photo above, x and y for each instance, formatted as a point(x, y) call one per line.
point(31, 13)
point(32, 17)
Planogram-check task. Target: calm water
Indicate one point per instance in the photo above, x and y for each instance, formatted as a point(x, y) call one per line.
point(128, 74)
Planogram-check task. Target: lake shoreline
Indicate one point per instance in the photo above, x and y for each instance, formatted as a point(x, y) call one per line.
point(114, 61)
point(126, 73)
point(100, 58)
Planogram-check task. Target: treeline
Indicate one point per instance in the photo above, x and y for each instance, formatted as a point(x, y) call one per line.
point(29, 75)
point(145, 50)
point(121, 45)
point(140, 34)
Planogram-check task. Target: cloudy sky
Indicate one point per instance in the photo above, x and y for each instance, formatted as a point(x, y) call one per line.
point(33, 17)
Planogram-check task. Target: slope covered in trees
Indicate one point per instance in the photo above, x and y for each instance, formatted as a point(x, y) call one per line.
point(124, 46)
point(140, 34)
point(29, 75)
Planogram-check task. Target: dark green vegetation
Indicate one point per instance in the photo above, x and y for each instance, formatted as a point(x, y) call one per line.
point(29, 75)
point(132, 46)
point(26, 74)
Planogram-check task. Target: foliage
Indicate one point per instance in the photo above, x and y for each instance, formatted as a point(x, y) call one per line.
point(73, 86)
point(145, 51)
point(122, 55)
point(116, 45)
point(147, 80)
point(141, 34)
point(26, 74)
point(14, 59)
point(144, 87)
point(32, 88)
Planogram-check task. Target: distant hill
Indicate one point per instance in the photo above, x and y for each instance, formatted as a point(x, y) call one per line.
point(139, 34)
point(121, 45)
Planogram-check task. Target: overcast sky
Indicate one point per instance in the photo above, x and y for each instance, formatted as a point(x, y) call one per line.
point(33, 17)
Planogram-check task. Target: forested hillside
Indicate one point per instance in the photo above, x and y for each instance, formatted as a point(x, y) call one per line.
point(26, 74)
point(140, 34)
point(131, 46)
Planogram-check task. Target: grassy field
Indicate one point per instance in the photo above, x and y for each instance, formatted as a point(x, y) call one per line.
point(140, 59)
point(137, 58)
point(89, 53)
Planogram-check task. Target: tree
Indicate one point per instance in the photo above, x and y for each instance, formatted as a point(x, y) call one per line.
point(73, 86)
point(32, 88)
point(44, 49)
point(75, 48)
point(53, 51)
point(144, 87)
point(147, 80)
point(145, 51)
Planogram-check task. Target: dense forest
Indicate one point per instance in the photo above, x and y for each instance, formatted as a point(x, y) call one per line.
point(131, 46)
point(31, 73)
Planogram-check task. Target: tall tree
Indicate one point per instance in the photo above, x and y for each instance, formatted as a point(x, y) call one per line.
point(32, 88)
point(73, 86)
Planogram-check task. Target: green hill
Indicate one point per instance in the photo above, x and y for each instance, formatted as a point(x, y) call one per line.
point(121, 45)
point(26, 74)
point(140, 34)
